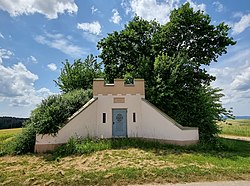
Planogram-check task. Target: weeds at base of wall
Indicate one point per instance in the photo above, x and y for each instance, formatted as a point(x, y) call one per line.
point(89, 145)
point(24, 143)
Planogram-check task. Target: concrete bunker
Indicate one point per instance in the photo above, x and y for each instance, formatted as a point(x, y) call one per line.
point(119, 110)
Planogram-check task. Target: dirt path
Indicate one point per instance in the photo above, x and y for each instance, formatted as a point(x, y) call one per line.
point(243, 138)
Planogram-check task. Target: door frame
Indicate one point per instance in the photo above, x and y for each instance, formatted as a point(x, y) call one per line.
point(126, 123)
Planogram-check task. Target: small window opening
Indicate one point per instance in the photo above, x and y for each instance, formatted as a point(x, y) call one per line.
point(134, 117)
point(103, 117)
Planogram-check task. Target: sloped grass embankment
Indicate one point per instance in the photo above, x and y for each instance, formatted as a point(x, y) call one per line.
point(128, 161)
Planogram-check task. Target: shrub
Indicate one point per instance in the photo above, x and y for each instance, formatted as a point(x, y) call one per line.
point(49, 117)
point(20, 143)
point(25, 141)
point(52, 113)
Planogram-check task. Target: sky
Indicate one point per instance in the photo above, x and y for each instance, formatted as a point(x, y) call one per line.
point(36, 36)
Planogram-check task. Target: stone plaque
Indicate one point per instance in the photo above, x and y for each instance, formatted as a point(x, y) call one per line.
point(119, 100)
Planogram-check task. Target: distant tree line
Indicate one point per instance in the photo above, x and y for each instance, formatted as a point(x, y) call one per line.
point(11, 122)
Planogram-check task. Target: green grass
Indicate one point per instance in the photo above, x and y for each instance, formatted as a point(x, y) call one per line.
point(6, 136)
point(236, 127)
point(9, 133)
point(128, 161)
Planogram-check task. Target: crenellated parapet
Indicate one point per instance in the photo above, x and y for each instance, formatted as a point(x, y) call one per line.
point(118, 87)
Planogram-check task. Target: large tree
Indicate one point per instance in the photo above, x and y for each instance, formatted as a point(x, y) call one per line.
point(79, 75)
point(124, 52)
point(191, 32)
point(182, 95)
point(171, 59)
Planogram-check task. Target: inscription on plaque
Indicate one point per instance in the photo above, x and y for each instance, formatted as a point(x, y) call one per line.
point(119, 100)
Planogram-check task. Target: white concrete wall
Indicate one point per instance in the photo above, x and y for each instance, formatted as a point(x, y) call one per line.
point(156, 126)
point(82, 125)
point(150, 122)
point(106, 104)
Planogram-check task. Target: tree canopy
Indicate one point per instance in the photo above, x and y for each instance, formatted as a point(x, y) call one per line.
point(191, 32)
point(122, 52)
point(188, 31)
point(79, 75)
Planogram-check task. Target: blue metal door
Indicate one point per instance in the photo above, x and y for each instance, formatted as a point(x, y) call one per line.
point(119, 127)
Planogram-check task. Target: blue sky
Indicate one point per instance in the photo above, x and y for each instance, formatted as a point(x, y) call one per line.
point(36, 36)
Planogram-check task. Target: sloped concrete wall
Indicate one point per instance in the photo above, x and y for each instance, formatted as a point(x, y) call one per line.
point(157, 125)
point(81, 124)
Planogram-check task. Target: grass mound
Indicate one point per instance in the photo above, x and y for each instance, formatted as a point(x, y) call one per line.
point(128, 161)
point(83, 146)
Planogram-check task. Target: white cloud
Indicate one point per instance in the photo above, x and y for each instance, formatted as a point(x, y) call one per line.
point(196, 6)
point(242, 25)
point(238, 14)
point(93, 28)
point(126, 6)
point(218, 6)
point(5, 54)
point(239, 56)
point(19, 102)
point(15, 80)
point(17, 87)
point(21, 106)
point(1, 35)
point(242, 80)
point(91, 37)
point(49, 8)
point(226, 71)
point(31, 98)
point(224, 77)
point(52, 66)
point(153, 9)
point(116, 18)
point(62, 43)
point(233, 76)
point(32, 59)
point(93, 9)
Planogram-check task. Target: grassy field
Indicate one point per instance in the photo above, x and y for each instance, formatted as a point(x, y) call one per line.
point(236, 127)
point(8, 134)
point(128, 161)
